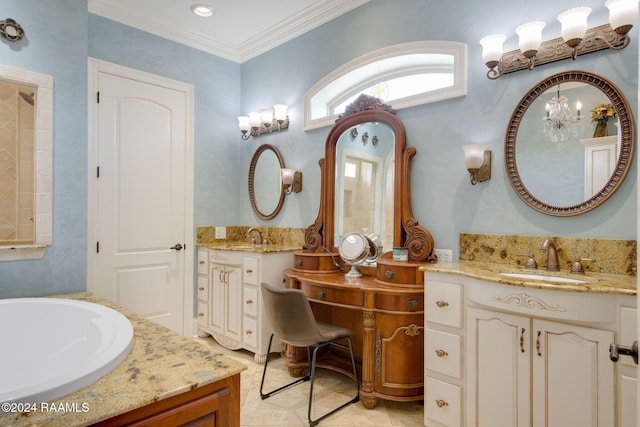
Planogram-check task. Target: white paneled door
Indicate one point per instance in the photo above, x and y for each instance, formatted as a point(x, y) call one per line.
point(140, 221)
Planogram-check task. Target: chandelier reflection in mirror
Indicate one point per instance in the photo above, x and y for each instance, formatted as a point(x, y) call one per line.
point(560, 123)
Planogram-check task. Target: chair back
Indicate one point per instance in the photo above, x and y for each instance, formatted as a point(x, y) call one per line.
point(290, 317)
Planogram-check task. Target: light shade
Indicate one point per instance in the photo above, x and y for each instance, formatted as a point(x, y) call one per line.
point(474, 155)
point(574, 24)
point(243, 123)
point(287, 176)
point(622, 12)
point(254, 119)
point(280, 112)
point(492, 48)
point(530, 37)
point(266, 115)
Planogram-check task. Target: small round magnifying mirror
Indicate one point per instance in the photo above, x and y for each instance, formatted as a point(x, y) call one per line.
point(356, 249)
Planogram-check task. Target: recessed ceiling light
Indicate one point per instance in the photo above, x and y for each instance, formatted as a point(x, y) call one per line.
point(202, 9)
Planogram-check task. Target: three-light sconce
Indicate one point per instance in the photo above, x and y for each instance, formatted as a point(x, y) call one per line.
point(576, 39)
point(291, 180)
point(268, 120)
point(477, 159)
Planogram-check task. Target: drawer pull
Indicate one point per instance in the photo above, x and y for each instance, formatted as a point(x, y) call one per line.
point(441, 353)
point(249, 271)
point(248, 332)
point(322, 293)
point(201, 288)
point(413, 303)
point(299, 262)
point(249, 301)
point(389, 274)
point(441, 403)
point(200, 262)
point(200, 314)
point(442, 304)
point(538, 344)
point(522, 340)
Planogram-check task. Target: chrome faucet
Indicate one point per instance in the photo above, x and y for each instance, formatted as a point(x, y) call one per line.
point(549, 247)
point(259, 233)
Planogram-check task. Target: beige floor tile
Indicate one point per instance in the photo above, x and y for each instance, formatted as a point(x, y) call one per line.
point(289, 407)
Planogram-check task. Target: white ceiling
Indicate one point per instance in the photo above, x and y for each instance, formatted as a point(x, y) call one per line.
point(238, 30)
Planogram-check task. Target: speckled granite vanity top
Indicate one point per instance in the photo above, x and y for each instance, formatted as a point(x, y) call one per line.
point(243, 246)
point(494, 272)
point(161, 364)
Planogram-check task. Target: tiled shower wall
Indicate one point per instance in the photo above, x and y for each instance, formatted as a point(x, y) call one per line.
point(17, 187)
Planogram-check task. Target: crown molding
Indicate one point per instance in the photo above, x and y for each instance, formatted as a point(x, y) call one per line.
point(321, 12)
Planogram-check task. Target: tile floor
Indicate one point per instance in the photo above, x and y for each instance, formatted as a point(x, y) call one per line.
point(289, 407)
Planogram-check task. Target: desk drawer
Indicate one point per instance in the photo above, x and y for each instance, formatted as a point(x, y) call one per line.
point(338, 296)
point(409, 303)
point(316, 262)
point(399, 273)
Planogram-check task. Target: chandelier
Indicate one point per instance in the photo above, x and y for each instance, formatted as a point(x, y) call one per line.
point(560, 122)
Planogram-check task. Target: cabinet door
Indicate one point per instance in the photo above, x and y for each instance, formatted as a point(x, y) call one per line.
point(217, 305)
point(573, 378)
point(233, 324)
point(498, 366)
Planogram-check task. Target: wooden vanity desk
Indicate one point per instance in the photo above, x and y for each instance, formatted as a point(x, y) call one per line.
point(387, 323)
point(384, 308)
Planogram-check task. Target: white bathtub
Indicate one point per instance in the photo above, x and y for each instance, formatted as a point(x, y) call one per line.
point(50, 347)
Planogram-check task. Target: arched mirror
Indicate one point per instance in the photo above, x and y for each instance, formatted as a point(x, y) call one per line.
point(366, 183)
point(265, 186)
point(564, 158)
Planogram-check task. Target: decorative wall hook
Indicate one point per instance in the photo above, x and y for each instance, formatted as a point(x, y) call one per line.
point(11, 30)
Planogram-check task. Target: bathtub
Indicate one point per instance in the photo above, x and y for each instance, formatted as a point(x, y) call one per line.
point(50, 347)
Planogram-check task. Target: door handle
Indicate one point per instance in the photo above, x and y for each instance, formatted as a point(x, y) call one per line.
point(177, 247)
point(615, 350)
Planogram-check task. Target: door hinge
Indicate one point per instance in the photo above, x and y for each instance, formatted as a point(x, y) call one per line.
point(98, 97)
point(97, 247)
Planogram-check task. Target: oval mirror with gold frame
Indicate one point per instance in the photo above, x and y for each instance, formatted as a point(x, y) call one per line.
point(406, 232)
point(539, 199)
point(265, 185)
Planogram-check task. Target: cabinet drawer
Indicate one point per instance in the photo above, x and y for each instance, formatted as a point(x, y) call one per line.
point(250, 270)
point(398, 273)
point(443, 353)
point(250, 332)
point(339, 296)
point(409, 302)
point(316, 262)
point(203, 288)
point(443, 303)
point(203, 314)
point(442, 403)
point(203, 260)
point(250, 301)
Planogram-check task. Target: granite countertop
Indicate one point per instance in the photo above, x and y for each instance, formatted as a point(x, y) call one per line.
point(248, 247)
point(595, 282)
point(162, 363)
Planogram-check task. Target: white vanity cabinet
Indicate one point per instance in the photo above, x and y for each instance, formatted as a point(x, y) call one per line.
point(229, 304)
point(506, 356)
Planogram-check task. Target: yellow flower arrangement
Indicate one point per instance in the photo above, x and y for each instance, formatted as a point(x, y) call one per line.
point(602, 113)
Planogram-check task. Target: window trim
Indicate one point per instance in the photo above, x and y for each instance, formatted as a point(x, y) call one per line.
point(459, 88)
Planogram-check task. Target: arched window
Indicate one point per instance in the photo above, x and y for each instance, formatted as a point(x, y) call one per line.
point(402, 75)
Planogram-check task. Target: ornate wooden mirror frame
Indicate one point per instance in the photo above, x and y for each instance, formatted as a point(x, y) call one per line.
point(406, 230)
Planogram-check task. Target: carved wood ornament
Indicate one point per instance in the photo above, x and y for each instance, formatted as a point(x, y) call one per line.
point(319, 236)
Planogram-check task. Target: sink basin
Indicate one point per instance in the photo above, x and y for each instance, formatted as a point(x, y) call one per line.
point(544, 277)
point(53, 346)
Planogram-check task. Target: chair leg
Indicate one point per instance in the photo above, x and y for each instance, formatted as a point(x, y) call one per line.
point(312, 368)
point(264, 373)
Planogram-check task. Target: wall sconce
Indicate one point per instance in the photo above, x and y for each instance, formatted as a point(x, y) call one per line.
point(291, 181)
point(268, 120)
point(576, 39)
point(477, 159)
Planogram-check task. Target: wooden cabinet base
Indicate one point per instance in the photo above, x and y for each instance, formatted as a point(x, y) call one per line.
point(215, 404)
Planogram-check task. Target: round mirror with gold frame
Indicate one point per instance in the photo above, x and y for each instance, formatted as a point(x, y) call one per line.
point(531, 173)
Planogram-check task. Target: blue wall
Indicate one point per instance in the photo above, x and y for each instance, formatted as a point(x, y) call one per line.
point(443, 199)
point(61, 35)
